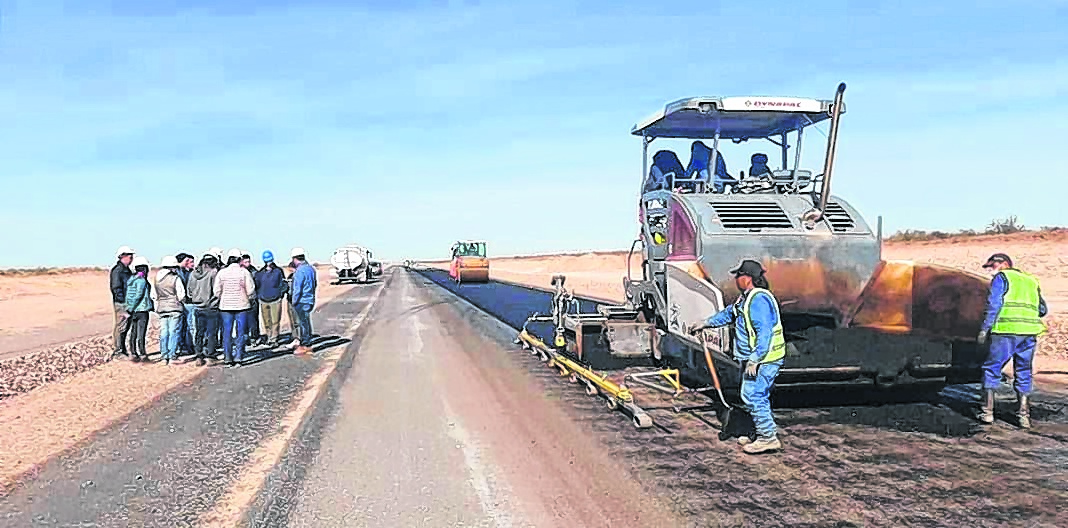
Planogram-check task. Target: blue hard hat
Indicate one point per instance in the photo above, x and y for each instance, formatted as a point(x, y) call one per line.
point(268, 256)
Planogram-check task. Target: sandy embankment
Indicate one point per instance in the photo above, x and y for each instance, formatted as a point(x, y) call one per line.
point(600, 274)
point(57, 415)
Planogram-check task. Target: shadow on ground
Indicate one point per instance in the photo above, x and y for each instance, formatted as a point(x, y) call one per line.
point(318, 344)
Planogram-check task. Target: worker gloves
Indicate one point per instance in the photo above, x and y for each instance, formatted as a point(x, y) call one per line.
point(982, 337)
point(694, 330)
point(751, 369)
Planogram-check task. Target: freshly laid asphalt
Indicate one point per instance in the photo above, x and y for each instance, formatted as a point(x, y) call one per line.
point(170, 462)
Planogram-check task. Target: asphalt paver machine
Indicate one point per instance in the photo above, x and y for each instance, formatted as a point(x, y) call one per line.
point(850, 317)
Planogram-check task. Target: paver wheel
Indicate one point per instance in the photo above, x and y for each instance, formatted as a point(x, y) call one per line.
point(642, 421)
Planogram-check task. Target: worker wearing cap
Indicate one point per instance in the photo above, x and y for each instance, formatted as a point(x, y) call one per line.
point(120, 275)
point(269, 284)
point(302, 295)
point(1013, 323)
point(169, 294)
point(201, 292)
point(234, 287)
point(759, 344)
point(187, 333)
point(138, 304)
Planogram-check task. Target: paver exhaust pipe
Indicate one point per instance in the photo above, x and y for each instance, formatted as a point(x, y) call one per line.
point(816, 213)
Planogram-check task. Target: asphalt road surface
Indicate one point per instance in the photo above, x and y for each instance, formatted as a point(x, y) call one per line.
point(436, 425)
point(432, 417)
point(169, 464)
point(428, 420)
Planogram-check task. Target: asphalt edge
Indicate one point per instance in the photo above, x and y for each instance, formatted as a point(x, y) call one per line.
point(273, 501)
point(550, 291)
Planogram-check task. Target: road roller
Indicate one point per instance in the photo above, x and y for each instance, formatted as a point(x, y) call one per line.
point(469, 262)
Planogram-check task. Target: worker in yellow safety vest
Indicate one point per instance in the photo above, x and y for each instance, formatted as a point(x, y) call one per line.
point(1013, 323)
point(759, 344)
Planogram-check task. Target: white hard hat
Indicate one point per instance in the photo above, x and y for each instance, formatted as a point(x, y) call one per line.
point(233, 253)
point(139, 261)
point(297, 251)
point(124, 250)
point(169, 261)
point(216, 252)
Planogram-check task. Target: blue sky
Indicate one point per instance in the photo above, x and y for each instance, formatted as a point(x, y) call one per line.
point(405, 125)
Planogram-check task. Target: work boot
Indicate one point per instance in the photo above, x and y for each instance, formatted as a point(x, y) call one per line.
point(762, 445)
point(744, 440)
point(1023, 413)
point(986, 412)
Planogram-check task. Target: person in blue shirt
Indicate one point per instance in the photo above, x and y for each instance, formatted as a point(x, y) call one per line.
point(759, 345)
point(1013, 322)
point(302, 295)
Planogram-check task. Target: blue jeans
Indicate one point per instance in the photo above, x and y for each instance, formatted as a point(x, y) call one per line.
point(756, 394)
point(1021, 349)
point(303, 312)
point(170, 331)
point(207, 332)
point(233, 351)
point(189, 329)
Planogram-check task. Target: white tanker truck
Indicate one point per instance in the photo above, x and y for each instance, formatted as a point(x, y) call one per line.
point(353, 263)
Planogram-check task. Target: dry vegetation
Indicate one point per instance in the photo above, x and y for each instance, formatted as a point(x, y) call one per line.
point(37, 272)
point(1006, 226)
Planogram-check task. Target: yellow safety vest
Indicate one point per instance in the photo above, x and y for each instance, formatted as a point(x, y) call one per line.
point(777, 349)
point(1019, 311)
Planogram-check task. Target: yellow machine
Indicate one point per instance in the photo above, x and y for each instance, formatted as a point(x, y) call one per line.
point(469, 262)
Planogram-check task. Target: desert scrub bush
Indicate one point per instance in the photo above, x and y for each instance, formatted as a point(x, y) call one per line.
point(997, 226)
point(1007, 226)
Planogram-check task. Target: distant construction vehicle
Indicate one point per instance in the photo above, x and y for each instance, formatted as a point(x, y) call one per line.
point(469, 262)
point(354, 263)
point(848, 315)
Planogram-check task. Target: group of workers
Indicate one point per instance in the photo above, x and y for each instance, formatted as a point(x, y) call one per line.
point(668, 173)
point(1015, 308)
point(202, 305)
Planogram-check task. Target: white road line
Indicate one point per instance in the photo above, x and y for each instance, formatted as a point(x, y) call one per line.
point(230, 509)
point(491, 496)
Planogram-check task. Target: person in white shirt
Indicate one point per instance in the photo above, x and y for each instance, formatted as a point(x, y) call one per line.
point(234, 288)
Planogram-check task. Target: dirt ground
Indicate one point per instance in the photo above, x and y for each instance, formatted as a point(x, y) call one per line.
point(57, 416)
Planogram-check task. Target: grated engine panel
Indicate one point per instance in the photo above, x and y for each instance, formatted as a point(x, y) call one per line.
point(755, 216)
